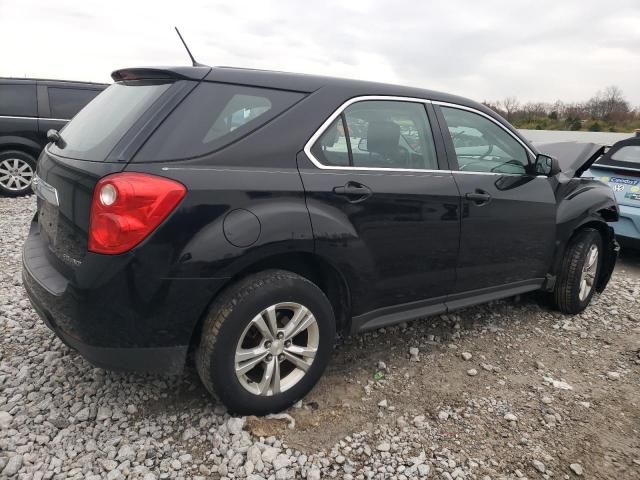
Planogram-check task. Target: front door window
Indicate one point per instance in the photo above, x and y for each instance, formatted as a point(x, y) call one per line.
point(483, 146)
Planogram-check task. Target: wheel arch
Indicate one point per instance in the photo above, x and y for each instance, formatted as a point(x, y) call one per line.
point(609, 244)
point(308, 265)
point(24, 145)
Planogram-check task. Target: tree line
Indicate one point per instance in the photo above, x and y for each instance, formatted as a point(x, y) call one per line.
point(606, 111)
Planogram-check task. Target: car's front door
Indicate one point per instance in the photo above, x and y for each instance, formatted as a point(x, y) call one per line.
point(508, 212)
point(382, 209)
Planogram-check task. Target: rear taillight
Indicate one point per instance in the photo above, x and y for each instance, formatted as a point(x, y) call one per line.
point(127, 207)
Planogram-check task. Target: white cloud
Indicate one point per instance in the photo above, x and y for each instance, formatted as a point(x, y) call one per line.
point(536, 50)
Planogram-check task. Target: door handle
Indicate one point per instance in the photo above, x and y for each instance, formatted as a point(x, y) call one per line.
point(354, 191)
point(479, 197)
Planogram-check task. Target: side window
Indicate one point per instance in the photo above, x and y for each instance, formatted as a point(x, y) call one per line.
point(18, 100)
point(379, 134)
point(213, 116)
point(389, 134)
point(331, 148)
point(66, 102)
point(483, 146)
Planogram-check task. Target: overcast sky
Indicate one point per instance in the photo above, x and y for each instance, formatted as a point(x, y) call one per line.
point(539, 50)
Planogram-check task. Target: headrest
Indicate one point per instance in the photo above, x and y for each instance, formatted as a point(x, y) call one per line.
point(382, 136)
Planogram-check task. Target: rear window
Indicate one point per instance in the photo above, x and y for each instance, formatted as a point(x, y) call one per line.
point(66, 102)
point(630, 153)
point(213, 116)
point(96, 129)
point(18, 100)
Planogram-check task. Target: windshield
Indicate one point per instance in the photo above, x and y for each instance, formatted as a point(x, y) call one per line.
point(98, 127)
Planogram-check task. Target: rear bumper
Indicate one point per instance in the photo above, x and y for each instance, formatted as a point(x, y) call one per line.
point(166, 360)
point(113, 311)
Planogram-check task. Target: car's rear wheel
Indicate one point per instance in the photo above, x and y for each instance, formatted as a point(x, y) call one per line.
point(266, 342)
point(581, 265)
point(16, 172)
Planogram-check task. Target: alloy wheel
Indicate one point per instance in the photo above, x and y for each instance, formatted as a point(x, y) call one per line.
point(276, 349)
point(588, 276)
point(15, 174)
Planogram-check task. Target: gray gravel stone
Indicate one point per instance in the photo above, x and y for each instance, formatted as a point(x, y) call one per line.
point(13, 466)
point(577, 469)
point(60, 417)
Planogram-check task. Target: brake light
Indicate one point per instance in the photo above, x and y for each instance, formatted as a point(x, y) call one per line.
point(127, 207)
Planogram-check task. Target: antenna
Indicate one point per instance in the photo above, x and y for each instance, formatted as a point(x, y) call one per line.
point(193, 60)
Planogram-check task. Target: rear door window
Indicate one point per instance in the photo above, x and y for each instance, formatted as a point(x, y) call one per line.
point(66, 102)
point(213, 116)
point(18, 100)
point(379, 134)
point(96, 129)
point(332, 148)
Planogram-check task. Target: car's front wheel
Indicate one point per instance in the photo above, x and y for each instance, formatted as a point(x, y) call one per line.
point(581, 266)
point(266, 342)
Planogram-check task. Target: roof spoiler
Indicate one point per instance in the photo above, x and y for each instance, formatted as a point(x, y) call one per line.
point(160, 73)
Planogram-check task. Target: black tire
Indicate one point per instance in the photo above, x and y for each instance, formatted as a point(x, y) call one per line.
point(567, 289)
point(7, 186)
point(223, 328)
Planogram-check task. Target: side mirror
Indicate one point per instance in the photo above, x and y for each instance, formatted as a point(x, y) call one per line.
point(546, 165)
point(362, 145)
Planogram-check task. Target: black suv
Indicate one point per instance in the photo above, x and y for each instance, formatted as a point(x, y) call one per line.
point(28, 108)
point(252, 215)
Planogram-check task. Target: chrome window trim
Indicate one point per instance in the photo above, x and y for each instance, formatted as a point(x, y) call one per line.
point(35, 118)
point(338, 112)
point(362, 98)
point(489, 117)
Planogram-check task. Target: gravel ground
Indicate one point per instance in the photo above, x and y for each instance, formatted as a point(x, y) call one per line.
point(508, 390)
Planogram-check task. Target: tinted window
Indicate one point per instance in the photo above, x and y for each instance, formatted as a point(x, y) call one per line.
point(629, 153)
point(483, 146)
point(331, 148)
point(66, 102)
point(379, 134)
point(95, 130)
point(211, 117)
point(18, 100)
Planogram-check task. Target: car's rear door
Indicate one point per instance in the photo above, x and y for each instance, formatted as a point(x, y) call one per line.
point(383, 205)
point(18, 113)
point(508, 213)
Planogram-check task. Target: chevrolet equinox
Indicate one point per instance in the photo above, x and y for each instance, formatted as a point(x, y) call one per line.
point(252, 215)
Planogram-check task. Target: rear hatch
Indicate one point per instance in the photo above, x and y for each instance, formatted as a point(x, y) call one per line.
point(624, 184)
point(100, 140)
point(147, 116)
point(620, 169)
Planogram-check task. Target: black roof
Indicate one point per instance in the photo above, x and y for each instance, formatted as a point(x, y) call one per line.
point(344, 88)
point(289, 81)
point(309, 83)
